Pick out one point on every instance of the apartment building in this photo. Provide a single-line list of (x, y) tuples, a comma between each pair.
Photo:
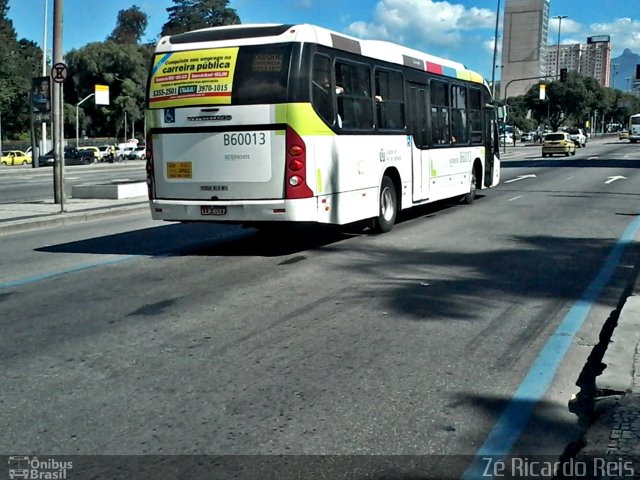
[(591, 59), (524, 42)]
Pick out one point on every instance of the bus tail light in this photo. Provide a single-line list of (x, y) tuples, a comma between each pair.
[(149, 166), (296, 166)]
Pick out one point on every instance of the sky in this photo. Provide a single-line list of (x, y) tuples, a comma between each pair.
[(460, 30)]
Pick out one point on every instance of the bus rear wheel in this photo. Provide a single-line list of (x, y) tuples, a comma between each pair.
[(388, 206), (471, 196)]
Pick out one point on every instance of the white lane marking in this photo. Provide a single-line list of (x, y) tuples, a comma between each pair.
[(613, 179), (514, 198), (521, 177), (592, 158)]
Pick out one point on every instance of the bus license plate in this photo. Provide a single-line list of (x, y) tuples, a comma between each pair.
[(209, 210)]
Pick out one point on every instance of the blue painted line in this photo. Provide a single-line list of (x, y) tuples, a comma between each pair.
[(516, 415), (45, 276), (160, 63)]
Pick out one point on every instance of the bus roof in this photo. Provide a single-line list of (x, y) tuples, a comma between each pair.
[(252, 34)]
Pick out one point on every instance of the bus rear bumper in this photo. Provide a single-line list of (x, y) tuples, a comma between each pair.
[(300, 210)]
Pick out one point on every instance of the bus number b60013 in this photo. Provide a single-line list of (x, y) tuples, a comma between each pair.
[(254, 138)]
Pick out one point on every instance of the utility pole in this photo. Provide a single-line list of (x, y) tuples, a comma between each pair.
[(495, 53), (58, 117)]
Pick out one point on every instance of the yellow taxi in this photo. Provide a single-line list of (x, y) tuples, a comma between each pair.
[(623, 135), (558, 142), (15, 157)]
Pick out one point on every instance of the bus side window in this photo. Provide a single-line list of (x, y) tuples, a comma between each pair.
[(440, 120), (355, 104), (322, 86), (389, 100)]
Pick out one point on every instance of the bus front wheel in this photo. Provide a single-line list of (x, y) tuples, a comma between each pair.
[(388, 206)]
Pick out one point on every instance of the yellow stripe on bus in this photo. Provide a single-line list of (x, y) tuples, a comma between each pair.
[(302, 118)]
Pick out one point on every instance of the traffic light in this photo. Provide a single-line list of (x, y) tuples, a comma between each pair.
[(563, 74)]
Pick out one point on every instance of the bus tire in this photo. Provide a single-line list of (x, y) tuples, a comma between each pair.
[(471, 196), (388, 206)]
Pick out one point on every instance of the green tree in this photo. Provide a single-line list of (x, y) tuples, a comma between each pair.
[(20, 61), (124, 68), (186, 15), (519, 114), (571, 102), (130, 26)]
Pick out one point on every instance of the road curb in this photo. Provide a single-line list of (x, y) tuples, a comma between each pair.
[(618, 376), (66, 218)]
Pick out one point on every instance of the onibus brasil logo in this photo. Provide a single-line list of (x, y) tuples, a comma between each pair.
[(33, 468)]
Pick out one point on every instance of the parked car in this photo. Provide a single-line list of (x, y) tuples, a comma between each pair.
[(578, 136), (107, 153), (15, 157), (124, 153), (558, 142), (95, 151), (530, 137), (138, 153), (507, 140), (72, 156)]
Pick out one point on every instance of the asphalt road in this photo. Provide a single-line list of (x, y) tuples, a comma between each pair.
[(127, 336), (27, 184)]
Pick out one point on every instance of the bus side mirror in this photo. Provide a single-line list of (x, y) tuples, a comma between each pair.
[(501, 113)]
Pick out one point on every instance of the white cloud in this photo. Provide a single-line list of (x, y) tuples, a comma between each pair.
[(488, 46), (423, 23), (568, 26), (625, 33)]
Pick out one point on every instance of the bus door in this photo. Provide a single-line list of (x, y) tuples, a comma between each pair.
[(419, 129), (492, 147)]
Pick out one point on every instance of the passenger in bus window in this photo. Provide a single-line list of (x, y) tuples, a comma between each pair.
[(321, 93)]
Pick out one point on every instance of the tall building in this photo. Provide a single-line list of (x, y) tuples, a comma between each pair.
[(524, 42), (591, 59)]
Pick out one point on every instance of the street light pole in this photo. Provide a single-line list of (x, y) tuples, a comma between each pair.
[(44, 74), (77, 115), (495, 53), (559, 17)]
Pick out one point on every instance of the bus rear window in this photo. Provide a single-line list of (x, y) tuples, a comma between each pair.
[(220, 76), (262, 74)]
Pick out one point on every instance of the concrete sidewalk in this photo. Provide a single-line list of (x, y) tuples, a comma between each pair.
[(45, 213), (613, 429)]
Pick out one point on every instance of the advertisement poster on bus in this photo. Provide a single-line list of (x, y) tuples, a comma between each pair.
[(196, 77)]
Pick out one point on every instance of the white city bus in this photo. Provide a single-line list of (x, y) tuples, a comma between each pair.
[(256, 124), (634, 128)]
